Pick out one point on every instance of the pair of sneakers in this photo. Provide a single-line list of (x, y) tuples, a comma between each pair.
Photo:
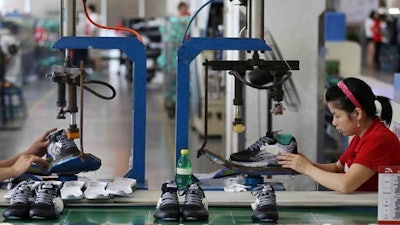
[(264, 151), (41, 202), (195, 206)]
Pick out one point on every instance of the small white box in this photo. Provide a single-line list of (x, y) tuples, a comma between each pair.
[(389, 195)]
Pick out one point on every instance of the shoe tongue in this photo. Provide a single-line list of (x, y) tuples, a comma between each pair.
[(267, 188), (46, 186), (168, 187), (194, 188), (284, 139)]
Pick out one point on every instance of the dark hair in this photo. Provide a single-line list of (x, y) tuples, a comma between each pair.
[(363, 93), (371, 14), (92, 7), (181, 4)]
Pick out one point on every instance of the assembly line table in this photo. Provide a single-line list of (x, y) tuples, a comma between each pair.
[(295, 207)]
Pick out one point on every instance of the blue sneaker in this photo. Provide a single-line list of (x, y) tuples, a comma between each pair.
[(66, 158)]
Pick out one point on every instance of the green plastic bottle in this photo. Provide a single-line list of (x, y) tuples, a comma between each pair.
[(183, 170)]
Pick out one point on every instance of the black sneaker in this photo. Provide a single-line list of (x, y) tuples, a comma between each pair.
[(264, 152), (65, 156), (48, 203), (20, 202), (264, 207), (168, 204), (195, 206)]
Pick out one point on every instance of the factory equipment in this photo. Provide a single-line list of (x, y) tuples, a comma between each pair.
[(254, 72), (70, 77)]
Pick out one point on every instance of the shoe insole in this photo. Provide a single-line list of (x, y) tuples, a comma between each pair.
[(96, 190), (121, 186), (72, 190)]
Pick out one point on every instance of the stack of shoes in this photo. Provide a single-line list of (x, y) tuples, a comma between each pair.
[(195, 207), (168, 204), (48, 203), (264, 152), (66, 158), (20, 202), (264, 208)]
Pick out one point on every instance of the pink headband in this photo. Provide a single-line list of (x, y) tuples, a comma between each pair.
[(348, 93)]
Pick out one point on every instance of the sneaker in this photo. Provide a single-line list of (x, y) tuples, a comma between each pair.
[(168, 203), (20, 202), (264, 207), (48, 203), (66, 158), (264, 152), (195, 206)]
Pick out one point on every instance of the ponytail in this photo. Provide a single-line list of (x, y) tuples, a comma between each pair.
[(387, 111)]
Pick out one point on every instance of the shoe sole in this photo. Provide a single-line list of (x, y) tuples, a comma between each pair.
[(254, 164), (75, 164), (194, 219)]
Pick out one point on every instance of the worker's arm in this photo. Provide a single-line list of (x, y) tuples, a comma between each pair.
[(347, 182), (330, 167)]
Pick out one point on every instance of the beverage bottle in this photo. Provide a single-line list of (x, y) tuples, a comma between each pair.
[(183, 170)]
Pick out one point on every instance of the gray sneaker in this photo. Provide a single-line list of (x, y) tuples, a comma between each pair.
[(265, 150)]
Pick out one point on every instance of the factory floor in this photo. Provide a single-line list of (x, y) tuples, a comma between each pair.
[(107, 134)]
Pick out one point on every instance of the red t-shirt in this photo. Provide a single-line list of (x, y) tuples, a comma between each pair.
[(379, 146)]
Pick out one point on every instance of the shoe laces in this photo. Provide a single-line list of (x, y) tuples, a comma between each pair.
[(193, 195), (45, 195), (261, 142), (65, 142), (265, 195), (169, 198), (21, 194)]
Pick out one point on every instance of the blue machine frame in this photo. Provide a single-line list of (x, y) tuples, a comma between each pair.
[(187, 52), (136, 51)]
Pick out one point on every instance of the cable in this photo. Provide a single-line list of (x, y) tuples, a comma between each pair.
[(237, 75), (96, 93), (192, 19), (111, 28)]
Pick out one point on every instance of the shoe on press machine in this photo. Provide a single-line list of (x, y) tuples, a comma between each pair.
[(168, 203), (195, 206), (20, 202), (265, 150), (66, 158), (48, 203), (264, 207)]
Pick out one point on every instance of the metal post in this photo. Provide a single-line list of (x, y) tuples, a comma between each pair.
[(255, 19)]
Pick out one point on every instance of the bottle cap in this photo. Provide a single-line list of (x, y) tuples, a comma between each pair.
[(185, 151)]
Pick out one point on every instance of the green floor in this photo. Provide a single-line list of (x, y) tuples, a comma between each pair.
[(218, 215)]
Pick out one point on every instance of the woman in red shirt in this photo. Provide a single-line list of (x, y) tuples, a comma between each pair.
[(352, 104)]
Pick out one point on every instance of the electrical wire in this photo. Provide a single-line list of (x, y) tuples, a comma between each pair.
[(192, 19), (81, 77), (137, 34), (275, 84), (114, 92)]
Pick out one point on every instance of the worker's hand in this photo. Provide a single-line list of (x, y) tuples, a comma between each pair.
[(24, 162), (39, 147), (297, 162)]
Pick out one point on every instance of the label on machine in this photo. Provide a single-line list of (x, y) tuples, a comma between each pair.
[(389, 195)]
